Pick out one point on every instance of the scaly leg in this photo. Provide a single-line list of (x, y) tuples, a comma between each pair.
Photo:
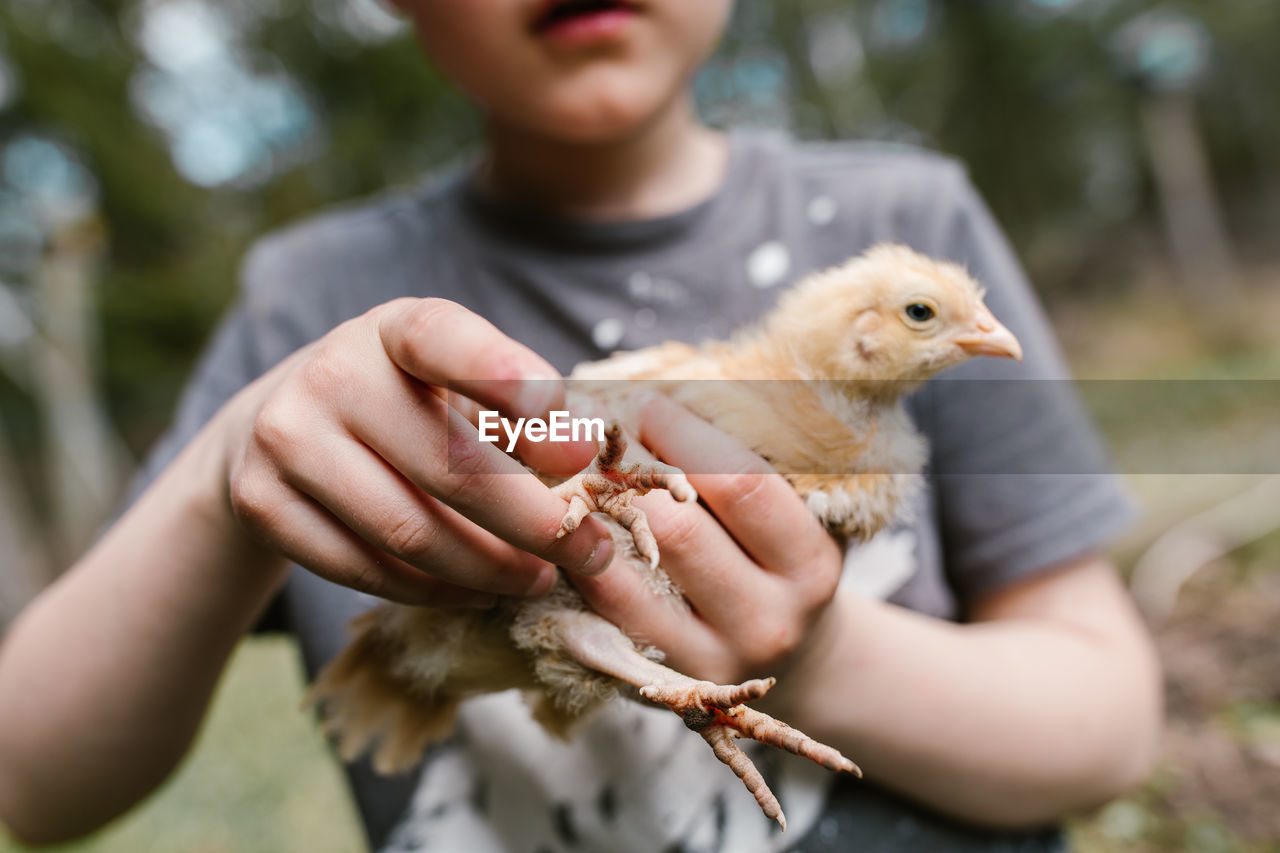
[(714, 711), (609, 485)]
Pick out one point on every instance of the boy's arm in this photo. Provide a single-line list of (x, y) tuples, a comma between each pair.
[(105, 677), (1049, 702), (345, 458)]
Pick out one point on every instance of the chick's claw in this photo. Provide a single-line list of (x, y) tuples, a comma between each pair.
[(721, 740), (716, 712), (690, 697), (609, 485), (703, 705), (753, 724), (578, 510)]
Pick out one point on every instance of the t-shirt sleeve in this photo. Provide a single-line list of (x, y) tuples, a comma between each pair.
[(1018, 471)]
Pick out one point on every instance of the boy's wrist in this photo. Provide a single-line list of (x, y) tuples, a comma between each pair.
[(808, 675), (196, 487)]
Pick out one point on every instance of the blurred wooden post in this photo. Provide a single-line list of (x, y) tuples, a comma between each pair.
[(1192, 218), (84, 459), (24, 562), (1167, 51), (24, 569)]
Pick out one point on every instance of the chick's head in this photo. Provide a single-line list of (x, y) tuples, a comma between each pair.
[(890, 314)]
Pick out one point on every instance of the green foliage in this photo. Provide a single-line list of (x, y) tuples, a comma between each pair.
[(174, 247)]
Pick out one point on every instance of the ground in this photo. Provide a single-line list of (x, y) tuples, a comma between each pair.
[(1218, 785)]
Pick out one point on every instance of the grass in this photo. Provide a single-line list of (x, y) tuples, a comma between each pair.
[(1219, 777), (259, 779)]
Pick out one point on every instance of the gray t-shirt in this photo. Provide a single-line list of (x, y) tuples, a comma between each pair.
[(1016, 483)]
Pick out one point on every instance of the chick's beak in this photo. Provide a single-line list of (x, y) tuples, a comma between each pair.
[(988, 337)]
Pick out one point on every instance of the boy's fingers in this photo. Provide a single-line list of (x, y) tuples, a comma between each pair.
[(753, 502), (549, 456), (625, 598), (306, 533), (435, 448), (721, 582), (728, 589), (390, 513), (443, 344)]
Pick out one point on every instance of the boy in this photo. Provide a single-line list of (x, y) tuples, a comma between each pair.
[(601, 215)]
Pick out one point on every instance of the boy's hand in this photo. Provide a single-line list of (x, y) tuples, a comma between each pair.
[(756, 566), (348, 459)]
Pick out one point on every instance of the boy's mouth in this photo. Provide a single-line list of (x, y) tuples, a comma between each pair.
[(582, 19)]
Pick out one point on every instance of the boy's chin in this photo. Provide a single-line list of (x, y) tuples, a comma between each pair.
[(599, 120), (593, 129)]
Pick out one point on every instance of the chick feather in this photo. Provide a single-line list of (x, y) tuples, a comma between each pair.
[(828, 368)]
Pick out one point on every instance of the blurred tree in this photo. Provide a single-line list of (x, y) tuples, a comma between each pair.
[(1166, 52), (187, 128), (1026, 92)]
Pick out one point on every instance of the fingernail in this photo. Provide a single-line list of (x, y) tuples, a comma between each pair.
[(599, 558), (546, 580)]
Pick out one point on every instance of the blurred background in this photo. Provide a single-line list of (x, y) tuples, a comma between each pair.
[(1131, 149)]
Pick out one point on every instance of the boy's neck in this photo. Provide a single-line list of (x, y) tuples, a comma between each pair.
[(670, 165)]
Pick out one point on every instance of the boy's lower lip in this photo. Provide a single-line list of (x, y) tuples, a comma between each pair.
[(589, 28)]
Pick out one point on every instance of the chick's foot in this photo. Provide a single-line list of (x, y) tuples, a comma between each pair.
[(609, 485), (715, 711)]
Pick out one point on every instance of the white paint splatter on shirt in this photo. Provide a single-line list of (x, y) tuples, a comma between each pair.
[(878, 568), (608, 333), (643, 286), (768, 264), (821, 209)]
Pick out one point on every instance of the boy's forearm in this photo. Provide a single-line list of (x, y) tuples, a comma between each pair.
[(1012, 723), (104, 679)]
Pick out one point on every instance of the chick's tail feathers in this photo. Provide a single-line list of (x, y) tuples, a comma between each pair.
[(401, 678), (361, 699)]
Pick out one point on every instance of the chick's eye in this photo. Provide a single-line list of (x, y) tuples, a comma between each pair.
[(919, 312)]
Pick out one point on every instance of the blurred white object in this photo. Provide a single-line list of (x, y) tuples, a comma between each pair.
[(1189, 545)]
